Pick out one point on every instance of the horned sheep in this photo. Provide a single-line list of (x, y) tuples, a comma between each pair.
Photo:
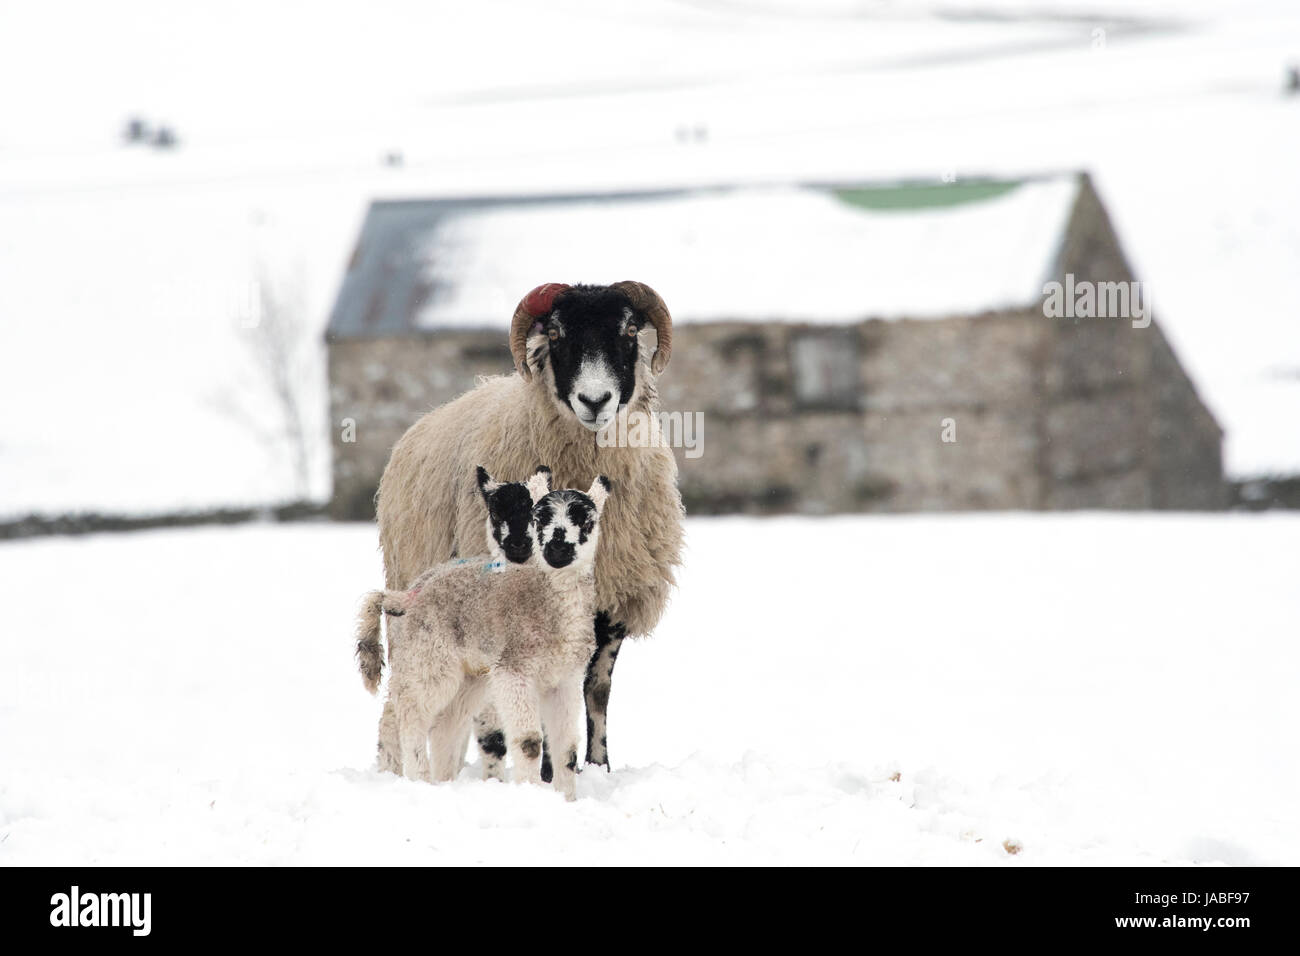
[(579, 365)]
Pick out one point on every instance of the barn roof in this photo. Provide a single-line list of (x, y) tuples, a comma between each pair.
[(817, 253)]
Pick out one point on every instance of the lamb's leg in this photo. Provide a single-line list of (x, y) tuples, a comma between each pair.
[(517, 704), (390, 751), (450, 731), (417, 702), (491, 743), (600, 674), (561, 712), (445, 733), (462, 741), (413, 724)]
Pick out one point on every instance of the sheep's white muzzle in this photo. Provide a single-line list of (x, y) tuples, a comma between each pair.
[(596, 423), (594, 395)]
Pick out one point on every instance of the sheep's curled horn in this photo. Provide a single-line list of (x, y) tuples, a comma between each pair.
[(538, 303), (646, 300), (530, 308)]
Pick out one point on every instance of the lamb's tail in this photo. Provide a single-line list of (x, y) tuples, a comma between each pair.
[(370, 646)]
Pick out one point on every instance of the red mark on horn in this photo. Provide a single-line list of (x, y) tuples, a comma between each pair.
[(538, 302)]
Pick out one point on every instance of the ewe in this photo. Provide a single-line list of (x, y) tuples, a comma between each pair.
[(580, 365)]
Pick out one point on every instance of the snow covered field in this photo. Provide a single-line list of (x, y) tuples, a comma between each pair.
[(124, 271), (1081, 688), (1090, 689)]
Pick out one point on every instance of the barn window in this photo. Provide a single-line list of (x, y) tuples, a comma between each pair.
[(825, 366)]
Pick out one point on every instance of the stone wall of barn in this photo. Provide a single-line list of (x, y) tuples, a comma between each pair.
[(770, 446), (1185, 440), (1123, 425), (382, 385), (1043, 413)]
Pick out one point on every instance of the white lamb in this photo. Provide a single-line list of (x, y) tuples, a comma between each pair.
[(518, 637)]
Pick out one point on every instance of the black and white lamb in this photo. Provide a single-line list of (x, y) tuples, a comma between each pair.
[(516, 636), (509, 540)]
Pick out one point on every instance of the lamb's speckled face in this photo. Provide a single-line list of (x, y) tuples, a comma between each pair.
[(567, 525)]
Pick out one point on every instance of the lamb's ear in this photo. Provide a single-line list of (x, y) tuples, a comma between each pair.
[(539, 486), (599, 491), (485, 483)]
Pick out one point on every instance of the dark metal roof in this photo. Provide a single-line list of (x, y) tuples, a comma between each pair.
[(386, 283)]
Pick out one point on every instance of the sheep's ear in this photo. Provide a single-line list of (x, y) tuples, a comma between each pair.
[(539, 486), (599, 492), (485, 483)]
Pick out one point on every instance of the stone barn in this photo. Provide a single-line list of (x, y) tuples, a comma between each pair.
[(851, 347)]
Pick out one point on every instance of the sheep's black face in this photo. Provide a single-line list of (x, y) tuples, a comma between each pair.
[(592, 349), (566, 525)]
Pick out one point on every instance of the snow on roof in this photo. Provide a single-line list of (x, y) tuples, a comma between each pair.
[(786, 254)]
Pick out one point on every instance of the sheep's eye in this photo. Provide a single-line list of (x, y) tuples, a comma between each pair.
[(553, 334), (632, 331)]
